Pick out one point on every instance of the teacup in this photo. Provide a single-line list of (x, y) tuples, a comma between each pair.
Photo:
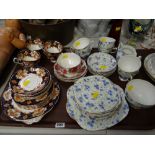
[(125, 50), (27, 58), (82, 47), (35, 45), (106, 44), (68, 63), (128, 67), (52, 50)]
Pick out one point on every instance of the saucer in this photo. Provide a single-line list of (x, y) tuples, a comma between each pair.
[(101, 63), (30, 82)]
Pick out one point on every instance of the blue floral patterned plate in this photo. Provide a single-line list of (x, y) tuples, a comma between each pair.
[(92, 123), (101, 62), (96, 94)]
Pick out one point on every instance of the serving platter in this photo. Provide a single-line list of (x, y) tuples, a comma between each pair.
[(136, 120)]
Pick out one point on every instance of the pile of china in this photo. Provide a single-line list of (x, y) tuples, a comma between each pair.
[(31, 94), (96, 103), (70, 67), (102, 64)]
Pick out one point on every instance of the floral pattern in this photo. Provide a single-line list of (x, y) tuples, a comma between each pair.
[(13, 113), (17, 115), (21, 74), (101, 62), (92, 123), (107, 97), (40, 72)]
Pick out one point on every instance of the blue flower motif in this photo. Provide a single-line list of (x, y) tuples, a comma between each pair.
[(87, 87), (91, 123), (81, 99), (85, 96), (96, 86), (89, 104), (110, 92)]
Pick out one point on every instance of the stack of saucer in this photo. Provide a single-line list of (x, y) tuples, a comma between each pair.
[(95, 103), (31, 94), (69, 67), (101, 64)]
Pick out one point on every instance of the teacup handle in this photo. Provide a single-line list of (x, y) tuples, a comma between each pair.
[(131, 77), (17, 61), (140, 57)]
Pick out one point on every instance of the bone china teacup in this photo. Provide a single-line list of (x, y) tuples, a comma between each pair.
[(27, 58), (128, 67)]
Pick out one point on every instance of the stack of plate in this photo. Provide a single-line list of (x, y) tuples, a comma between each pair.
[(31, 94), (95, 103), (149, 65), (69, 67), (101, 64)]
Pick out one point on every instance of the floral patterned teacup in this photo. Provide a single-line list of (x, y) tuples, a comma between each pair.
[(82, 47), (52, 50), (106, 44), (27, 58), (68, 63), (35, 45)]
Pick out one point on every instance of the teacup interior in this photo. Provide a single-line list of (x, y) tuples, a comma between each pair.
[(129, 50), (68, 60), (81, 43), (53, 50), (129, 63)]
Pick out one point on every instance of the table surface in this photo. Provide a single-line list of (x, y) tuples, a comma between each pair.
[(136, 119)]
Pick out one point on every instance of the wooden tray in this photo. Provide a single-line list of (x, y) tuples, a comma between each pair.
[(137, 119)]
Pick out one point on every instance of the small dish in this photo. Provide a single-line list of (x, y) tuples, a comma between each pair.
[(27, 58), (52, 50), (35, 45)]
